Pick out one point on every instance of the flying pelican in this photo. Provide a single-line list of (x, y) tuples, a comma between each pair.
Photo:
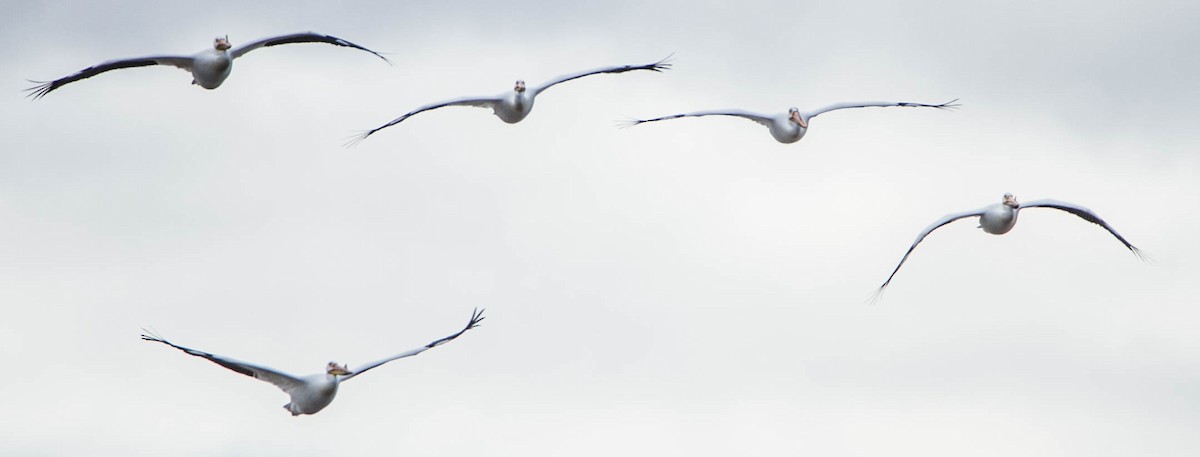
[(313, 393), (999, 218), (791, 127), (512, 106), (209, 68)]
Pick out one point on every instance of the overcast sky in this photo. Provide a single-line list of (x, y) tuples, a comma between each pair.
[(689, 287)]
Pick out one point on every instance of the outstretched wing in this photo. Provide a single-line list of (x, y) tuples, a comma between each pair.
[(836, 106), (283, 381), (940, 222), (45, 87), (759, 118), (477, 102), (1085, 214), (476, 318), (305, 37), (656, 66)]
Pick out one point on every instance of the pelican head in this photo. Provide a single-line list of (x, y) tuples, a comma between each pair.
[(222, 43), (337, 370), (1010, 200), (794, 115), (520, 87)]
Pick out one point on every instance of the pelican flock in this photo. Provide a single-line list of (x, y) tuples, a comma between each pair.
[(209, 67), (999, 218), (312, 393), (790, 127), (512, 106)]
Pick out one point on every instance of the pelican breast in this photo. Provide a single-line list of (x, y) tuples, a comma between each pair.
[(514, 106), (210, 68), (317, 393), (998, 219), (785, 131)]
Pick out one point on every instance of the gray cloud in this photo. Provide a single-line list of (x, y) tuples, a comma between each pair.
[(684, 287)]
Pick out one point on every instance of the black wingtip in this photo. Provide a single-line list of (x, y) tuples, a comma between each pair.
[(1141, 255), (664, 63), (949, 105), (347, 43), (385, 59), (150, 335), (877, 295), (40, 90), (476, 318), (627, 123), (353, 141)]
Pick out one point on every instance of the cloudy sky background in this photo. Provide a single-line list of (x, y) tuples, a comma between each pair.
[(683, 288)]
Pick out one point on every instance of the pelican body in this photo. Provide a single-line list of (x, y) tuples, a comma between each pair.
[(1000, 218), (316, 392), (790, 127), (209, 68), (309, 394), (514, 105)]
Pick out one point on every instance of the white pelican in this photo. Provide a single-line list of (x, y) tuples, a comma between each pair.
[(999, 218), (313, 393), (512, 106), (209, 68), (790, 127)]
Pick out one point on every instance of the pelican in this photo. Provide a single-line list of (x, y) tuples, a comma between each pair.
[(309, 394), (791, 127), (512, 106), (209, 68), (999, 218)]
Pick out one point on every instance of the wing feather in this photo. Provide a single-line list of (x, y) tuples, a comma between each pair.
[(476, 318), (1087, 215), (303, 37), (940, 222), (476, 102), (656, 66), (281, 380), (759, 118), (836, 106), (45, 87)]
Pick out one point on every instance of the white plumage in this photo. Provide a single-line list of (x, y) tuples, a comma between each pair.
[(999, 218), (209, 68), (512, 106), (312, 393), (789, 127)]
